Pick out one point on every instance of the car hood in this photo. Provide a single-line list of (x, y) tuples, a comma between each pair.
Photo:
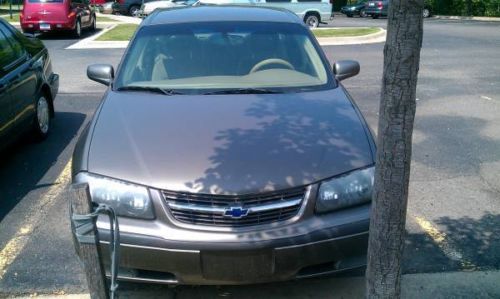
[(228, 144)]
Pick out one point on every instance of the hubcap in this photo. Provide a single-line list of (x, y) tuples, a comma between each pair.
[(426, 13), (43, 115), (312, 22), (78, 29)]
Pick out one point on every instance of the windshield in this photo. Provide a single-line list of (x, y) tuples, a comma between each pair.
[(224, 55)]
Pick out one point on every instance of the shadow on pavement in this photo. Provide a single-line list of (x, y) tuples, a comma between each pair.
[(25, 163), (67, 35)]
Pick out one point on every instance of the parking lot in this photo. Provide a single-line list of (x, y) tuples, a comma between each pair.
[(453, 219)]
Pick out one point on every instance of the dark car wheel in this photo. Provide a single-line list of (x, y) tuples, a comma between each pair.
[(426, 13), (77, 32), (374, 16), (41, 123), (349, 15), (312, 20), (133, 10), (362, 13), (94, 25)]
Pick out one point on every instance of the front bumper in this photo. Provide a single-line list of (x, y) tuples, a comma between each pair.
[(321, 245), (165, 251)]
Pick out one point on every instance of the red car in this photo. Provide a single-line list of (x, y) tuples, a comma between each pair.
[(57, 15)]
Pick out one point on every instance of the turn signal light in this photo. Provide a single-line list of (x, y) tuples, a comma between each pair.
[(72, 14)]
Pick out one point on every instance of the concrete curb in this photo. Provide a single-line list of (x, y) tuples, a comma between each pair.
[(461, 18), (378, 37), (124, 19), (91, 43)]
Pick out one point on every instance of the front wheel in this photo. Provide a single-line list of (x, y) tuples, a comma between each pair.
[(41, 124), (362, 13), (374, 16), (312, 21), (349, 15)]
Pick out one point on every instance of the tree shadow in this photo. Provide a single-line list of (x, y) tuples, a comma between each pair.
[(477, 241), (287, 142), (24, 163)]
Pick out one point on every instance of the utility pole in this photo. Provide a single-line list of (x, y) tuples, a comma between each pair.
[(395, 128)]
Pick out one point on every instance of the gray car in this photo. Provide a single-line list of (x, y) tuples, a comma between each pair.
[(230, 151)]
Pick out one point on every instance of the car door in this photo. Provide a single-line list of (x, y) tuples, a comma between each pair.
[(22, 78), (6, 115)]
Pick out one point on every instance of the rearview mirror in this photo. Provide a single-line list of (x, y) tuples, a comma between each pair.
[(345, 69), (102, 73), (31, 35)]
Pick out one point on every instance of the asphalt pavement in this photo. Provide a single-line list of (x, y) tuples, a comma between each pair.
[(453, 219)]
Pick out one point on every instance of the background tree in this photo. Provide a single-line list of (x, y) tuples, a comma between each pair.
[(392, 174)]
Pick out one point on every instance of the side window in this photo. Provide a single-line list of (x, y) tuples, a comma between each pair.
[(76, 2), (6, 53), (16, 47)]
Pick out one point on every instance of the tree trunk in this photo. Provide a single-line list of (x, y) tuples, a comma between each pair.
[(397, 113)]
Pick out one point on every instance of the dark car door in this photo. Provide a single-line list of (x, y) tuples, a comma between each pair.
[(21, 77), (6, 114)]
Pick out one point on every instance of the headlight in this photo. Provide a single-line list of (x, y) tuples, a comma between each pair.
[(351, 189), (126, 199)]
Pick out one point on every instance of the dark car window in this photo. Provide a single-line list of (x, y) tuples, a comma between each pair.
[(11, 48), (222, 55)]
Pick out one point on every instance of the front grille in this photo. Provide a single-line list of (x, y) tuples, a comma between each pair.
[(218, 210)]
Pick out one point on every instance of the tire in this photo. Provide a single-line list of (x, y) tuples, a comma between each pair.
[(312, 20), (362, 14), (77, 32), (41, 122), (133, 10), (94, 24), (374, 16), (349, 16), (426, 13)]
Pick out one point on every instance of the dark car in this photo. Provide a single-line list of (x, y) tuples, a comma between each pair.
[(377, 9), (357, 9), (57, 15), (128, 7), (28, 86), (230, 151)]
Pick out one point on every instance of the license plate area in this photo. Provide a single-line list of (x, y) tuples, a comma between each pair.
[(44, 26), (237, 266)]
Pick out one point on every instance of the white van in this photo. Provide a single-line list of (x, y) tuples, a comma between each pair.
[(313, 12)]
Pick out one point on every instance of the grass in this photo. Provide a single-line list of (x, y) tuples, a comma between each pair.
[(15, 17), (345, 32), (122, 32)]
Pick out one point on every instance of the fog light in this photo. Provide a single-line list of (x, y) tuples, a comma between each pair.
[(58, 25), (30, 26)]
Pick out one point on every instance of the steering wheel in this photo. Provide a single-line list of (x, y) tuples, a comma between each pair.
[(265, 62)]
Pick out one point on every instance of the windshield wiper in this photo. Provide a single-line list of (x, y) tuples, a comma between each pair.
[(168, 92), (244, 91)]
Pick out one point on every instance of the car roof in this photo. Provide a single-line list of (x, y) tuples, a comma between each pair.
[(214, 13)]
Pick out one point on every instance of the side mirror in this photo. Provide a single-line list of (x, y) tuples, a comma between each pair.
[(102, 73), (345, 69)]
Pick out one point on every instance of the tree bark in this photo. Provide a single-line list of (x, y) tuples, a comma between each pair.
[(397, 113)]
